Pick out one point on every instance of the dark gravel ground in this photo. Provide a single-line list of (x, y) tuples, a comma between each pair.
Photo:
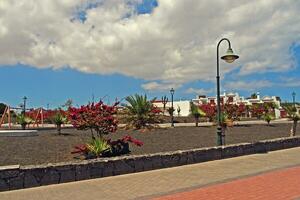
[(49, 147)]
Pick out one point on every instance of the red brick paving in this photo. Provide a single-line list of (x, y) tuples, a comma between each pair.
[(277, 185)]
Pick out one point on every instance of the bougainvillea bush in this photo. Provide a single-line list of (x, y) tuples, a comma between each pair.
[(210, 111), (48, 115), (97, 117), (101, 120)]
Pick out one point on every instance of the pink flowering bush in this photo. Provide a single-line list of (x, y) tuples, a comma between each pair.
[(101, 120), (210, 111), (97, 117)]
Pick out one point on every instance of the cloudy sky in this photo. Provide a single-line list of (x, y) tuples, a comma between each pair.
[(52, 50)]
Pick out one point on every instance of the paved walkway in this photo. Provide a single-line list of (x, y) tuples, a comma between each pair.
[(278, 185), (222, 175)]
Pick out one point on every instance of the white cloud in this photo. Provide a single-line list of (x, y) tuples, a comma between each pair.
[(248, 85), (290, 82), (173, 45), (155, 86), (198, 91)]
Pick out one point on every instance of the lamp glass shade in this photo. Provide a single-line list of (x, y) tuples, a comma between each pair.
[(230, 56), (172, 91)]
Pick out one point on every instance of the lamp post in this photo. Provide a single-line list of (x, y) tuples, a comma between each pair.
[(294, 95), (172, 115), (229, 57), (24, 105)]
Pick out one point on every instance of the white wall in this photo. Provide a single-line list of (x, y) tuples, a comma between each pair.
[(184, 107)]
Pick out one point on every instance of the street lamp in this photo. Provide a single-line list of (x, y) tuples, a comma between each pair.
[(24, 104), (229, 57), (172, 109), (294, 95)]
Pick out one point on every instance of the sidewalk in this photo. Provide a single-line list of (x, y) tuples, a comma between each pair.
[(276, 185), (158, 183)]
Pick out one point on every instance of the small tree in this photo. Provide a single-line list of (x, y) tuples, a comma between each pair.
[(58, 119), (253, 96), (164, 101), (68, 104), (268, 117), (140, 112), (97, 117), (171, 111), (257, 110), (23, 120), (293, 115), (231, 111), (178, 110), (2, 108), (196, 113), (210, 111)]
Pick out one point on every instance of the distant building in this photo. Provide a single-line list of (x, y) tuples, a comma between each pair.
[(185, 107), (235, 98), (231, 98)]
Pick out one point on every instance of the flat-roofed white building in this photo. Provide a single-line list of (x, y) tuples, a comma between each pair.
[(184, 105), (235, 98)]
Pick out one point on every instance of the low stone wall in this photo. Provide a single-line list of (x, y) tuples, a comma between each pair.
[(18, 177)]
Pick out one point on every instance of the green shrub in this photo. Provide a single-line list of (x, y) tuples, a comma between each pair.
[(140, 112)]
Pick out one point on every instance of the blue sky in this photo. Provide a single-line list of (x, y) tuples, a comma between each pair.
[(46, 79)]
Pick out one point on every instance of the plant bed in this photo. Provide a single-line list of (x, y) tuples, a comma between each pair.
[(49, 147)]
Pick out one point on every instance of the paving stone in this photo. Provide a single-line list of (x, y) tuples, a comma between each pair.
[(139, 164), (82, 172), (51, 176), (248, 149), (170, 160), (30, 180), (96, 169), (9, 173), (3, 185), (156, 162), (16, 182), (67, 173), (121, 167), (108, 169), (260, 147)]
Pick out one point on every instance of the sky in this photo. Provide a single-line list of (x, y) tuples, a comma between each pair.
[(84, 50)]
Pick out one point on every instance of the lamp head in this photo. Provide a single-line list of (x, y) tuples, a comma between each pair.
[(229, 57), (172, 91)]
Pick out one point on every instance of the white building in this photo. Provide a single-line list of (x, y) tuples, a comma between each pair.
[(235, 98), (184, 106), (232, 98)]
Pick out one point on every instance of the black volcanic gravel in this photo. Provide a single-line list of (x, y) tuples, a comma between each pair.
[(49, 147)]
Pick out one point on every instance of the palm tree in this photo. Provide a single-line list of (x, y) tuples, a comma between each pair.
[(140, 112), (23, 120), (293, 115), (58, 120), (197, 113)]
